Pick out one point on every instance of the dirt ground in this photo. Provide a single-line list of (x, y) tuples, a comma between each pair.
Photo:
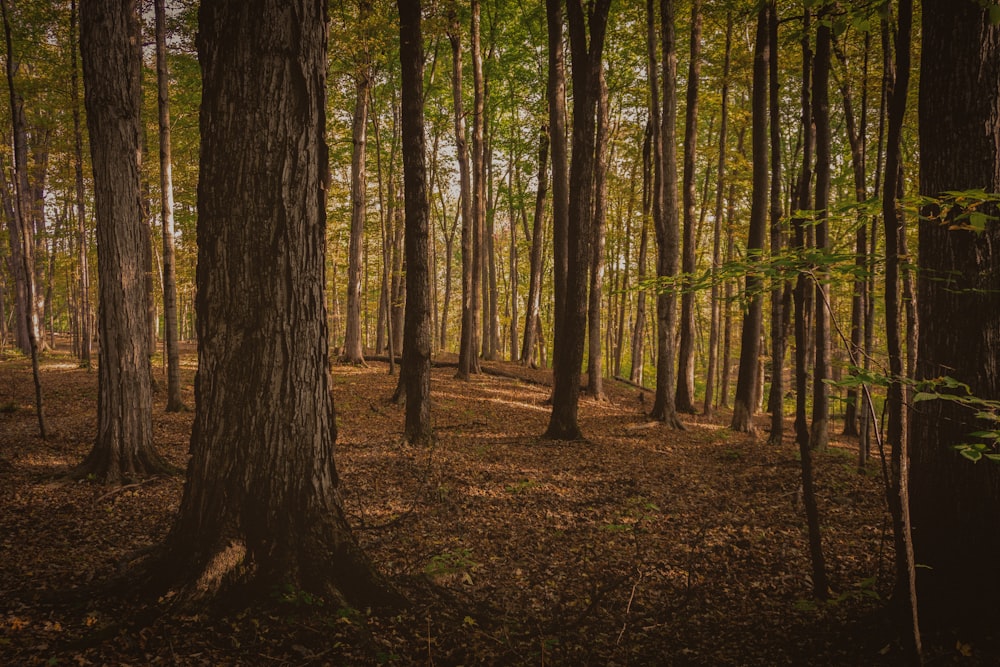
[(638, 546)]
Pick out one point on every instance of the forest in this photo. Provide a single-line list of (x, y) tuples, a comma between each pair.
[(487, 332)]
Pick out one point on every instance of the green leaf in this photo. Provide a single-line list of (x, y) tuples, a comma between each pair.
[(925, 396), (977, 221), (971, 454), (995, 14)]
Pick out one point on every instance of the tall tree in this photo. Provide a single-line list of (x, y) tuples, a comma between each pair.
[(595, 373), (110, 45), (416, 370), (684, 397), (535, 280), (261, 504), (85, 316), (666, 223), (480, 288), (720, 174), (174, 402), (746, 380), (954, 502), (555, 93), (353, 352), (586, 53), (639, 325), (821, 119)]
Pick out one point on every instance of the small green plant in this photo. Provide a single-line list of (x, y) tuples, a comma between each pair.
[(520, 487), (448, 563), (292, 595)]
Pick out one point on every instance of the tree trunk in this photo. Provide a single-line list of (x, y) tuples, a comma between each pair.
[(110, 48), (468, 361), (746, 382), (417, 333), (684, 397), (353, 352), (822, 312), (639, 326), (778, 289), (713, 336), (174, 403), (261, 505), (85, 316), (667, 226), (569, 351), (556, 97), (531, 319), (955, 528), (479, 286), (595, 372)]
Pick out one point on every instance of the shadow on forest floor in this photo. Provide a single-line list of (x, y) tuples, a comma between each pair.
[(640, 545)]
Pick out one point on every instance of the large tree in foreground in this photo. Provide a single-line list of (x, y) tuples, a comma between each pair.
[(261, 502), (956, 529), (110, 46)]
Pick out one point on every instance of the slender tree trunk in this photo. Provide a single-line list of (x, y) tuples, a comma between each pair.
[(667, 226), (110, 46), (595, 372), (779, 287), (624, 289), (556, 97), (531, 319), (353, 352), (479, 287), (639, 326), (684, 396), (821, 117), (746, 382), (713, 337), (174, 402)]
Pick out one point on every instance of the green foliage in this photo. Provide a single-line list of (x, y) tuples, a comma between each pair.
[(959, 393), (449, 563)]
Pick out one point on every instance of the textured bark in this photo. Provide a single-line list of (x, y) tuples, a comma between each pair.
[(779, 290), (684, 397), (110, 46), (955, 525), (174, 403), (531, 319), (746, 381), (569, 350), (595, 372), (639, 325), (479, 287), (353, 352), (261, 505), (667, 223), (417, 327), (85, 316)]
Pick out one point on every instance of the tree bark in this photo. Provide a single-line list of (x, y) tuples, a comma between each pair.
[(110, 46), (684, 397), (556, 97), (779, 288), (85, 316), (639, 325), (261, 506), (955, 529), (595, 371)]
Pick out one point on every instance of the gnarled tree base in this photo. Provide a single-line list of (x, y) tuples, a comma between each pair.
[(109, 465)]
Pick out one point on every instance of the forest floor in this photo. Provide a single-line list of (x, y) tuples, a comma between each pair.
[(639, 546)]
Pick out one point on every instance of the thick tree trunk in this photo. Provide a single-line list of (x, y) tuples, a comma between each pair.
[(531, 320), (174, 403), (720, 178), (353, 352), (417, 333), (684, 397), (261, 505), (955, 527), (569, 351), (746, 382), (110, 46)]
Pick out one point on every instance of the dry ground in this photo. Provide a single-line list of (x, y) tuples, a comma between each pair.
[(639, 546)]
